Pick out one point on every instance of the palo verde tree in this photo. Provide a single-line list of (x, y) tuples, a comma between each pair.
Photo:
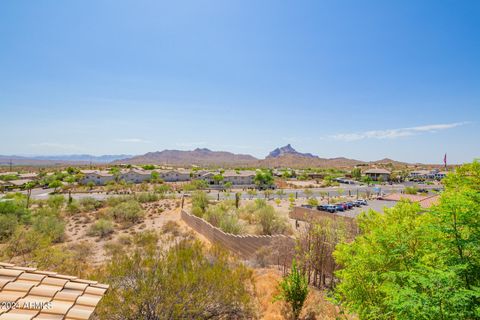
[(263, 178), (412, 263)]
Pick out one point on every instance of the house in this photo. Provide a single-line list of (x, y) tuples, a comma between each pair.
[(440, 175), (28, 293), (239, 178), (175, 175), (236, 178), (5, 185), (28, 175), (20, 182), (96, 177), (136, 175), (419, 174), (378, 174)]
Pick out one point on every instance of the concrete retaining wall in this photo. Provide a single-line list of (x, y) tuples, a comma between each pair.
[(243, 245)]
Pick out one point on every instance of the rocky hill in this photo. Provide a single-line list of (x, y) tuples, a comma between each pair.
[(199, 156), (288, 150)]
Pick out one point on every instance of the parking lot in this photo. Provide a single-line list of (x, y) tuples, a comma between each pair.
[(377, 205)]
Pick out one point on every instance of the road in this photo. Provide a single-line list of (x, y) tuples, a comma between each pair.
[(42, 194)]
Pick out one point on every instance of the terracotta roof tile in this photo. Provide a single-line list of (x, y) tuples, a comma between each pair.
[(80, 312), (45, 295)]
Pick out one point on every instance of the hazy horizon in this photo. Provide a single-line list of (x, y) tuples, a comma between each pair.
[(366, 81)]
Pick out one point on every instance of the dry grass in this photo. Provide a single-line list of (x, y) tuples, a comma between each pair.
[(316, 306)]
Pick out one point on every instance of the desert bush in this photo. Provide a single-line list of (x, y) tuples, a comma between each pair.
[(411, 190), (195, 185), (73, 207), (172, 285), (51, 226), (56, 201), (270, 222), (147, 197), (312, 202), (113, 201), (8, 224), (22, 242), (146, 239), (231, 224), (127, 212), (17, 208), (90, 204), (200, 203), (101, 228), (171, 227)]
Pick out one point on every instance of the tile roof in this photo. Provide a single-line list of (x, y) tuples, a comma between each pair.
[(28, 293), (377, 171), (20, 182), (424, 201)]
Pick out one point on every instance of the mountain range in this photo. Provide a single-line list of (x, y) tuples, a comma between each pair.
[(285, 156)]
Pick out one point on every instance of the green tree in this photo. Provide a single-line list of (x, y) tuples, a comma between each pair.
[(29, 186), (218, 178), (263, 178), (294, 290), (356, 173), (367, 179), (409, 263), (55, 184)]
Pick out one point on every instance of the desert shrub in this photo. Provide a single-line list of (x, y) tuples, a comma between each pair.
[(195, 185), (51, 226), (15, 207), (247, 213), (127, 212), (171, 227), (215, 213), (312, 202), (113, 201), (8, 224), (162, 189), (411, 190), (101, 228), (90, 204), (173, 283), (73, 207), (56, 201), (147, 197), (231, 224), (223, 216), (22, 242), (270, 222), (146, 239), (200, 203), (73, 260)]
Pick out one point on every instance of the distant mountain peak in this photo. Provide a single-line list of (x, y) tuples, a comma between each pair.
[(288, 150)]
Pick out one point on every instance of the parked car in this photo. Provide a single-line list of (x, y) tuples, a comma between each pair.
[(362, 202), (340, 207), (330, 208), (306, 206), (349, 205)]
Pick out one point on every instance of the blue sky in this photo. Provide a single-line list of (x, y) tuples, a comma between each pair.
[(360, 79)]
